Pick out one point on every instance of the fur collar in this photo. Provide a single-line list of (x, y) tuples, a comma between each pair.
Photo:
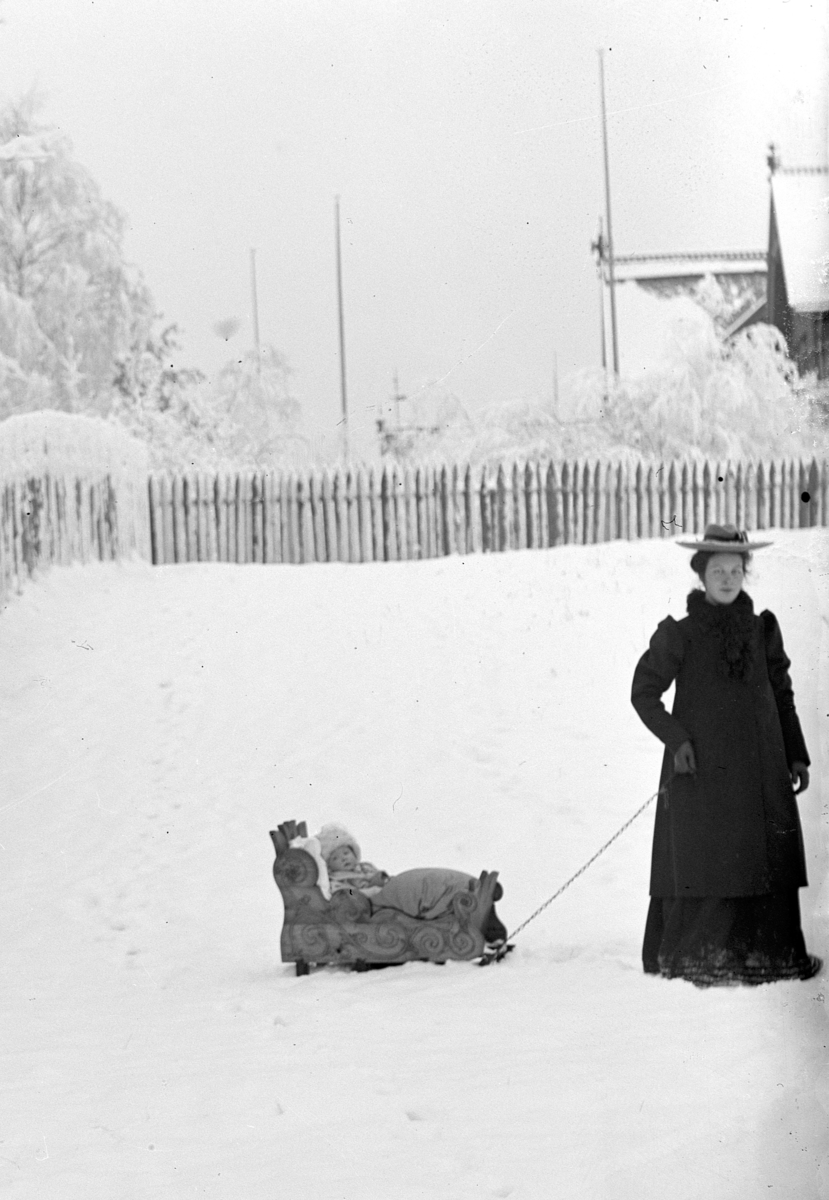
[(733, 627)]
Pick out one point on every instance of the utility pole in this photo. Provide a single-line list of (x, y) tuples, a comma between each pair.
[(555, 383), (598, 248), (397, 398), (343, 394), (255, 305), (609, 244)]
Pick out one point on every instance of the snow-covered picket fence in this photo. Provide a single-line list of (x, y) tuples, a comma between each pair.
[(362, 515), (72, 488)]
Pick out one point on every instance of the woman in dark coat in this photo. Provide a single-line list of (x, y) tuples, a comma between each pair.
[(727, 849)]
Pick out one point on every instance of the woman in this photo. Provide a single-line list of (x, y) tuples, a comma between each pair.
[(727, 848)]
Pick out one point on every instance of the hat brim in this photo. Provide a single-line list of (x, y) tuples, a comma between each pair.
[(725, 547)]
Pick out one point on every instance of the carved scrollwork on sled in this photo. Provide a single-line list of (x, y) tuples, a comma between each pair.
[(347, 929)]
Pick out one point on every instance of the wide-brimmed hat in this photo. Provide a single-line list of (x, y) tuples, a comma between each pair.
[(725, 538)]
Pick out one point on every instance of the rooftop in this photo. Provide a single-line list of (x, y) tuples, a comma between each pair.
[(800, 197), (692, 265)]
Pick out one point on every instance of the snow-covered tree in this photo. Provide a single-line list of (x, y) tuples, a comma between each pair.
[(254, 392), (739, 398), (68, 303), (244, 418)]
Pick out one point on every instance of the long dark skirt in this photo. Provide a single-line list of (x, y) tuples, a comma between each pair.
[(715, 940)]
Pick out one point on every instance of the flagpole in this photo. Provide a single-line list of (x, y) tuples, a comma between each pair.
[(343, 394), (610, 267), (255, 307)]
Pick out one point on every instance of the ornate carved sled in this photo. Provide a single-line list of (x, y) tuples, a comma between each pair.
[(347, 930)]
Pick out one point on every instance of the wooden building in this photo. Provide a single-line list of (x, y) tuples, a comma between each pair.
[(797, 297)]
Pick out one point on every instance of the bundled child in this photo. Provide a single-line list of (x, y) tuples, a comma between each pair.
[(341, 853), (420, 893)]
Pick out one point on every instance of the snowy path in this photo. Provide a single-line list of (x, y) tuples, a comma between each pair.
[(470, 713)]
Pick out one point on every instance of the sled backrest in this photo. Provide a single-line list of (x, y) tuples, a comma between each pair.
[(285, 833)]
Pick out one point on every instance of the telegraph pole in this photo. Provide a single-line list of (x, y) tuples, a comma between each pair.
[(609, 243), (255, 305), (343, 394)]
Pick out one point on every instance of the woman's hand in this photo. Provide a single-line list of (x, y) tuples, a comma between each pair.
[(800, 777), (684, 761)]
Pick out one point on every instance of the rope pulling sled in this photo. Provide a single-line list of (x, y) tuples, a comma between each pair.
[(498, 952)]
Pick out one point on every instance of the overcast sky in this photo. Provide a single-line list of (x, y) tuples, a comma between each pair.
[(463, 139)]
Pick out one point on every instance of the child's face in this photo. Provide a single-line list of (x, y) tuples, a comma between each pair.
[(342, 859)]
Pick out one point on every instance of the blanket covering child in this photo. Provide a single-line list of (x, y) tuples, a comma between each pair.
[(422, 893)]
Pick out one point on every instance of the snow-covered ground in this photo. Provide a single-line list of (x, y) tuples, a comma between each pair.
[(464, 712)]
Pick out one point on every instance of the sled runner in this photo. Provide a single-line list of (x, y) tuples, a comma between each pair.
[(349, 930)]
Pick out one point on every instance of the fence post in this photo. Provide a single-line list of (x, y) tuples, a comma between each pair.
[(471, 526), (458, 531), (783, 512), (156, 534), (775, 494), (824, 493), (316, 533), (516, 507), (583, 485), (740, 497), (683, 489), (257, 517), (273, 524), (242, 514), (442, 515), (626, 501), (200, 522), (574, 497), (190, 498), (813, 488), (804, 496), (431, 481), (500, 529), (363, 517), (410, 504), (385, 508), (555, 505), (375, 518), (729, 492), (765, 499), (566, 503), (750, 496), (207, 531), (794, 494), (179, 531), (542, 527), (351, 519), (398, 506), (328, 540), (438, 513)]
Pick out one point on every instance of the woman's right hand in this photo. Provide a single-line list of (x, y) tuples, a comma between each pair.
[(684, 761)]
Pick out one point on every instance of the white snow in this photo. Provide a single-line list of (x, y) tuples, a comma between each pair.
[(463, 712)]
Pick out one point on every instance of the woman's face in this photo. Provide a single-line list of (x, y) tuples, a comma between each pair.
[(723, 578)]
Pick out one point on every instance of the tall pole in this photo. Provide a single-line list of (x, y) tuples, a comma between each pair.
[(610, 274), (255, 306), (343, 394), (555, 383), (598, 248)]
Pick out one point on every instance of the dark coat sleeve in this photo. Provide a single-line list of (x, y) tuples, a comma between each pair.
[(778, 665), (654, 674)]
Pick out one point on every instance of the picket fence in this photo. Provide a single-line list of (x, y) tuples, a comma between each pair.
[(48, 520), (359, 515)]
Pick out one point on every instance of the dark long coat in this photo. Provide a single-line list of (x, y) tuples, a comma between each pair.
[(733, 828)]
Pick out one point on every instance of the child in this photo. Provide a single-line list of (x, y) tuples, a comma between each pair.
[(341, 852), (420, 893)]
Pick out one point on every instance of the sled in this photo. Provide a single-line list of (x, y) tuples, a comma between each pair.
[(346, 929)]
